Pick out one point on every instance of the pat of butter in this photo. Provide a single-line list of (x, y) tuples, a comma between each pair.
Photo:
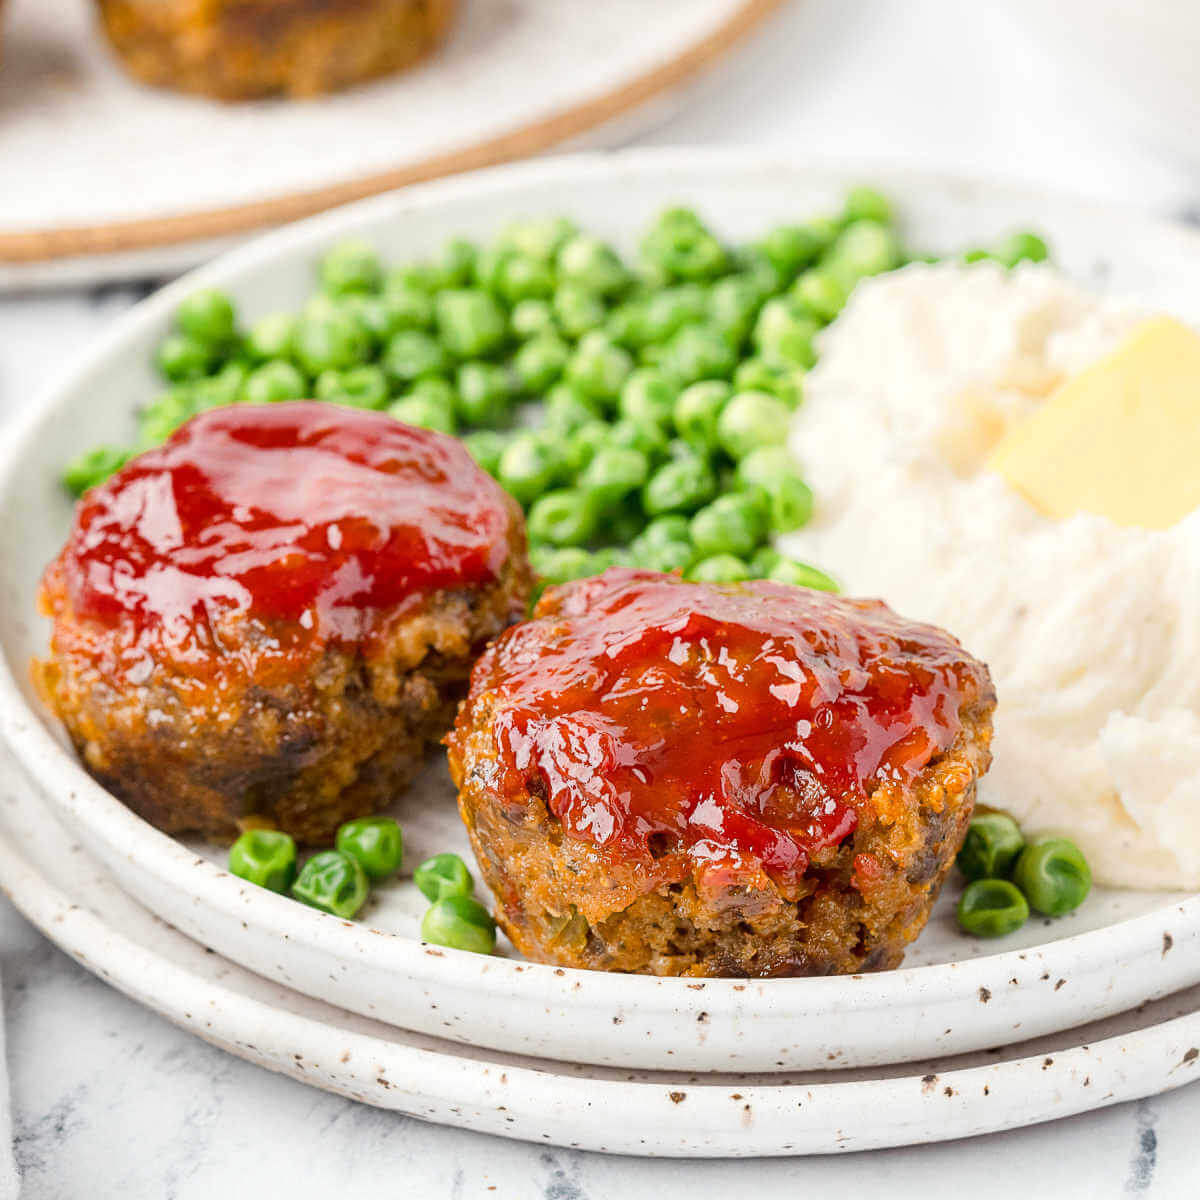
[(1120, 439)]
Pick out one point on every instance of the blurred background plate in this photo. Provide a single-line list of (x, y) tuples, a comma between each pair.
[(106, 179)]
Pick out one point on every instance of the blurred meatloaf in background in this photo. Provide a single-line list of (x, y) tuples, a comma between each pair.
[(244, 49)]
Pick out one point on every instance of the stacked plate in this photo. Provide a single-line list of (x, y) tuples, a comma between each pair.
[(961, 1041)]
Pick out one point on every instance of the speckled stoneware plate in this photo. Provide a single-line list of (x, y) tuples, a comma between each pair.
[(75, 901), (954, 995)]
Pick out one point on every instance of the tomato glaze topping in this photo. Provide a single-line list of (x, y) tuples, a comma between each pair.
[(725, 723), (310, 517)]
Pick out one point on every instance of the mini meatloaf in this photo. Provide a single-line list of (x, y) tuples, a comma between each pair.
[(690, 779), (274, 614), (241, 49)]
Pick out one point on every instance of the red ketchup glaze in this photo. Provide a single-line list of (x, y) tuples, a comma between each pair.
[(746, 724), (310, 517)]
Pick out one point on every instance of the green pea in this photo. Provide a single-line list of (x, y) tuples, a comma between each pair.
[(424, 412), (484, 393), (1054, 875), (540, 362), (372, 314), (486, 447), (567, 410), (789, 248), (665, 556), (674, 527), (680, 247), (333, 882), (225, 387), (763, 561), (470, 323), (583, 445), (351, 266), (992, 908), (159, 419), (731, 524), (647, 397), (864, 248), (798, 574), (784, 332), (978, 255), (773, 470), (181, 357), (358, 387), (821, 293), (681, 485), (406, 307), (754, 262), (699, 352), (521, 278), (455, 265), (566, 517), (437, 389), (331, 340), (697, 410), (411, 355), (594, 264), (443, 875), (866, 204), (540, 238), (1022, 247), (626, 324), (720, 568), (266, 857), (779, 379), (460, 923), (577, 309), (613, 473), (750, 420), (733, 305), (93, 467), (272, 337), (599, 367), (669, 310), (991, 848), (531, 318), (650, 440), (375, 843), (207, 316), (424, 277), (529, 465), (273, 383), (556, 565)]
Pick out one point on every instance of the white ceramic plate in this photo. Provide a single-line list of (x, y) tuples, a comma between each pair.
[(1121, 950), (65, 892)]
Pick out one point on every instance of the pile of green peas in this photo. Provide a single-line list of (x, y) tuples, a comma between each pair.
[(367, 850), (1009, 876), (638, 411)]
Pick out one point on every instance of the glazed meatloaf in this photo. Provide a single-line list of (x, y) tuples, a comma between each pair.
[(269, 618), (690, 779), (240, 49)]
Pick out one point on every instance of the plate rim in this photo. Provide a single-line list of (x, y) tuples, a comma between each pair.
[(471, 1090), (92, 807)]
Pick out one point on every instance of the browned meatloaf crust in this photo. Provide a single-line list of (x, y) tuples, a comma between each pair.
[(274, 614), (241, 49), (304, 753), (562, 899)]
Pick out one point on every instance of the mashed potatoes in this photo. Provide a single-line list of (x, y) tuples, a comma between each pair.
[(1092, 631)]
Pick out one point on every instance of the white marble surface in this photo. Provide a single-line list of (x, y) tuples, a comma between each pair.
[(111, 1101)]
